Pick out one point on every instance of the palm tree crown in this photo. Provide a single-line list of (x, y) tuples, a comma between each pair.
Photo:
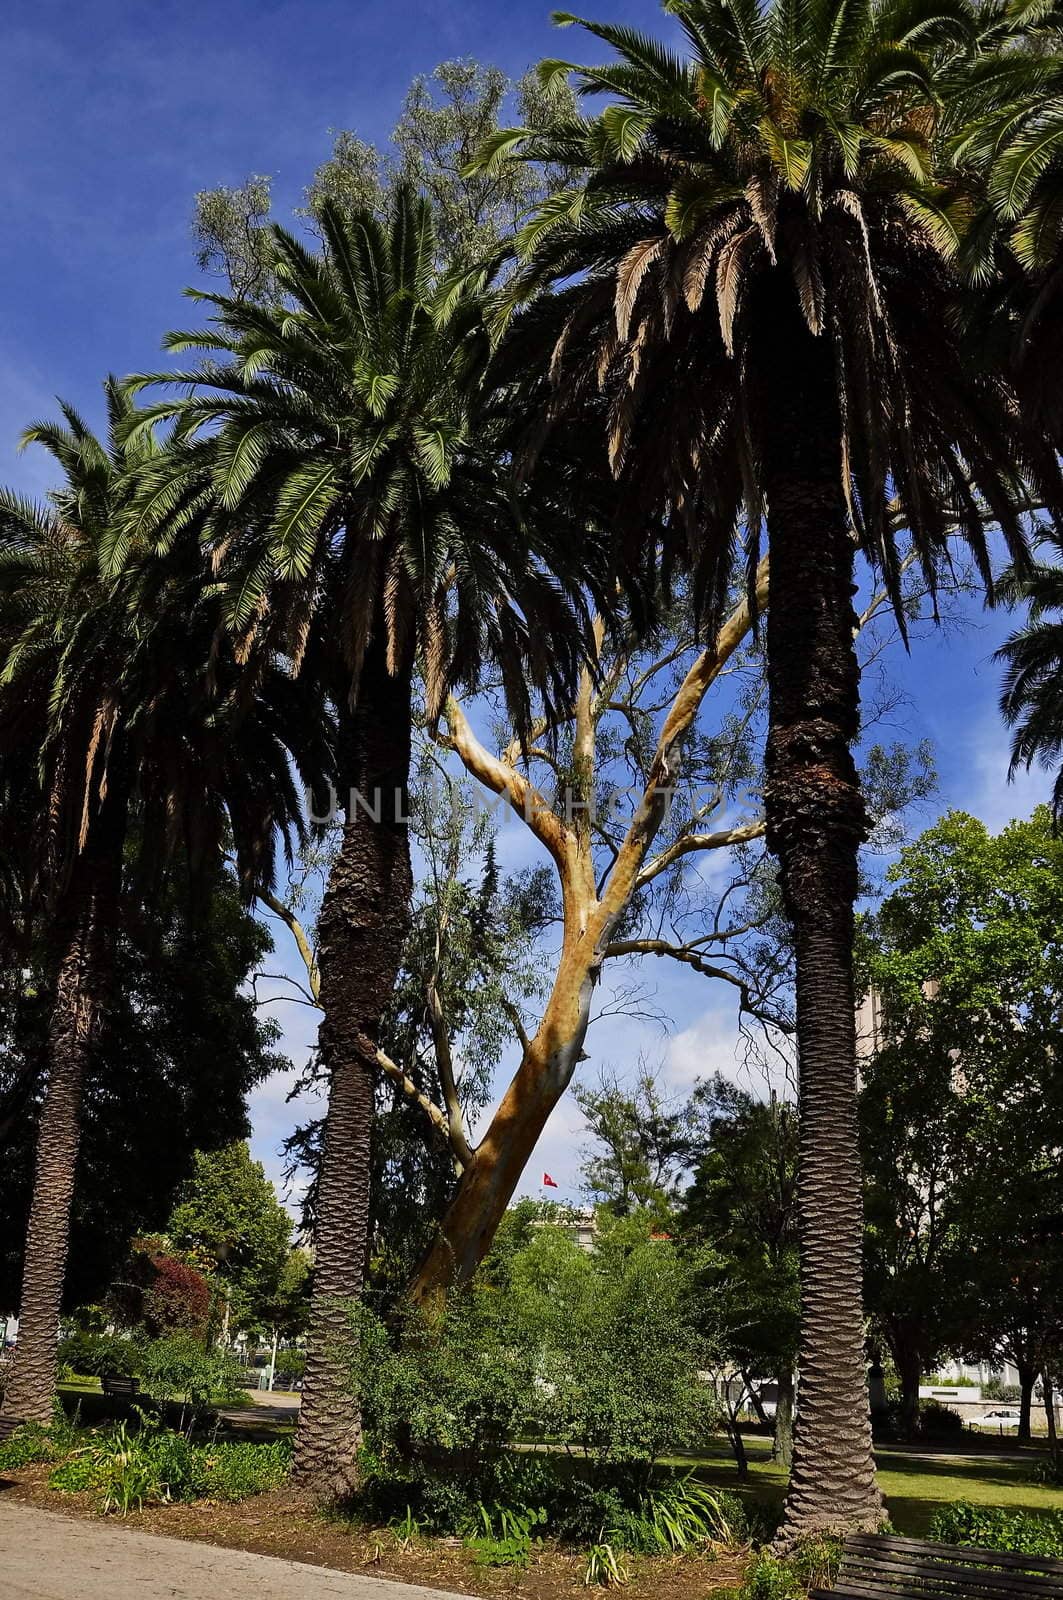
[(123, 683), (355, 469), (794, 167), (1032, 697)]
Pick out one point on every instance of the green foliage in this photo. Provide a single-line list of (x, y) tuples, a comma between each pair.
[(641, 1137), (997, 1529), (28, 1445), (700, 149), (813, 1565), (742, 1204), (93, 1354), (506, 1535), (937, 1421), (131, 1466), (180, 1368), (605, 1568), (229, 1214), (675, 1516), (961, 1098), (599, 1352)]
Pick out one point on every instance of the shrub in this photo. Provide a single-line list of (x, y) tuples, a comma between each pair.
[(939, 1422), (813, 1565), (130, 1469), (237, 1471), (505, 1538), (997, 1389), (28, 1445), (93, 1354), (33, 1443), (993, 1528), (600, 1353), (179, 1369), (160, 1293), (675, 1516)]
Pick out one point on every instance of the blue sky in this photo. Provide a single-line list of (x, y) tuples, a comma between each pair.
[(117, 112)]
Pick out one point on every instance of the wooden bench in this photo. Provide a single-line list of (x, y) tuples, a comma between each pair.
[(116, 1383), (879, 1567)]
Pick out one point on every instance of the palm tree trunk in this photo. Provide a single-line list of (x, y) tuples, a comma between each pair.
[(816, 822), (84, 939), (362, 929)]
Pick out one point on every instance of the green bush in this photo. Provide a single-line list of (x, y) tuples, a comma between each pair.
[(505, 1538), (598, 1352), (93, 1354), (813, 1565), (237, 1471), (130, 1468), (993, 1528), (33, 1443), (28, 1445), (179, 1369), (939, 1422)]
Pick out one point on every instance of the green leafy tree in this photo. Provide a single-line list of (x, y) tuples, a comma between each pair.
[(963, 1098), (363, 514), (742, 1204), (755, 300), (446, 115), (641, 1137), (229, 1214), (178, 1050)]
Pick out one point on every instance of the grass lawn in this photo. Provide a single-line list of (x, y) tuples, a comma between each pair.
[(915, 1486)]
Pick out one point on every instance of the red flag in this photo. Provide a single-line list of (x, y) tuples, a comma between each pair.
[(548, 1182)]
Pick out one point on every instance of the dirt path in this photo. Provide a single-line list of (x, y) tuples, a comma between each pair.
[(44, 1556)]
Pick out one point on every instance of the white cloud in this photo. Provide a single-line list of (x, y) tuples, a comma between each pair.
[(988, 794)]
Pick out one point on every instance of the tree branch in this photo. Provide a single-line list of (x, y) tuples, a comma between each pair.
[(429, 1107), (298, 933), (691, 958), (744, 833)]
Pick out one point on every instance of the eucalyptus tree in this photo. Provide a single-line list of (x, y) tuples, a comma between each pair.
[(116, 703), (754, 278), (364, 519)]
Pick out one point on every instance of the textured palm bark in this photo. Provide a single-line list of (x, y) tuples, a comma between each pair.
[(362, 929), (816, 823), (84, 941)]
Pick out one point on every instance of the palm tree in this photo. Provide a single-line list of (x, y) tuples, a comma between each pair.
[(1018, 138), (1032, 697), (115, 703), (362, 512), (754, 277)]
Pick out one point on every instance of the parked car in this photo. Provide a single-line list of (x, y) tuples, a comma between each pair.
[(1002, 1417)]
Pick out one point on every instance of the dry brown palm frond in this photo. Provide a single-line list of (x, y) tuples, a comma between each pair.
[(629, 276), (397, 619), (434, 639), (730, 279), (702, 254), (762, 194)]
